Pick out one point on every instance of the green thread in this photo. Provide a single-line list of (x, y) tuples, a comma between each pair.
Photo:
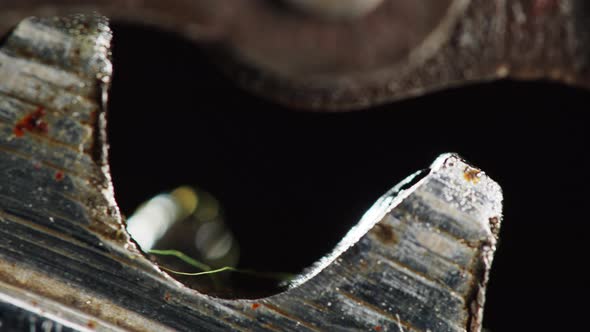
[(180, 255), (207, 270), (225, 268)]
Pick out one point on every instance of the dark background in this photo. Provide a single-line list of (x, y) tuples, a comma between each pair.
[(292, 183)]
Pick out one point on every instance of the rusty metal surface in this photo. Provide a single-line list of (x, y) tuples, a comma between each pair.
[(417, 261), (401, 49)]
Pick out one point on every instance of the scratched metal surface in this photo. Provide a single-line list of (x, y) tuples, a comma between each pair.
[(375, 59), (417, 261)]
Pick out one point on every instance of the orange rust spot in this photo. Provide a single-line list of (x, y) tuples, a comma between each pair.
[(472, 175), (34, 303), (166, 296), (91, 324), (378, 328), (59, 175), (255, 306), (32, 122)]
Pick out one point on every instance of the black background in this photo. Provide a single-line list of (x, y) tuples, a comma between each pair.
[(292, 183)]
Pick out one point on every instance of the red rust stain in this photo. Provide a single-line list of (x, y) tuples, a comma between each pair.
[(540, 7), (91, 324), (472, 175), (255, 306), (32, 122), (59, 175), (167, 297), (378, 328)]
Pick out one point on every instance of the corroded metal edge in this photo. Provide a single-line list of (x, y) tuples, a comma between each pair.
[(417, 261)]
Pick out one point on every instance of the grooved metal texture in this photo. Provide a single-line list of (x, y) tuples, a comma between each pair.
[(417, 261)]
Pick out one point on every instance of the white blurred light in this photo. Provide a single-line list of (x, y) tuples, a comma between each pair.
[(151, 221), (213, 240)]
